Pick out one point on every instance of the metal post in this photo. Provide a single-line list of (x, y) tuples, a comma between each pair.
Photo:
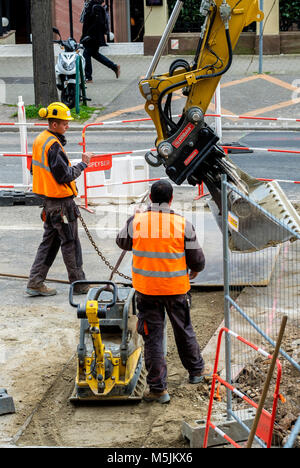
[(218, 111), (226, 292), (1, 13), (261, 40), (77, 86), (80, 94), (128, 20), (23, 140), (82, 81), (165, 37)]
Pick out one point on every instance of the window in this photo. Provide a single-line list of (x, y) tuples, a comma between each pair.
[(154, 2)]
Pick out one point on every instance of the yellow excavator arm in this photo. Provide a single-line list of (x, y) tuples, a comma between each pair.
[(188, 148), (223, 24)]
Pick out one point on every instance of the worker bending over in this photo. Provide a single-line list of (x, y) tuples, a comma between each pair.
[(54, 181), (164, 247)]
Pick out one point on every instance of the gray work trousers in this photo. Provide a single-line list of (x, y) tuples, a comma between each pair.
[(60, 232), (151, 318)]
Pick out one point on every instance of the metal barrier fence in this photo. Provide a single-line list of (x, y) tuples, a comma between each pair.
[(260, 286), (294, 434)]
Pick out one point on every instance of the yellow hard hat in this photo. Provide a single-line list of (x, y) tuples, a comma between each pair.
[(56, 110)]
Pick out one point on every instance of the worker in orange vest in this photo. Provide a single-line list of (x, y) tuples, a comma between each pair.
[(164, 247), (54, 181)]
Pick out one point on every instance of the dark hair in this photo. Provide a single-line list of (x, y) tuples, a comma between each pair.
[(161, 192), (51, 121)]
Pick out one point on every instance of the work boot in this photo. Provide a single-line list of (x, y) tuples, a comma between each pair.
[(42, 290), (160, 397), (81, 289), (198, 378), (118, 71)]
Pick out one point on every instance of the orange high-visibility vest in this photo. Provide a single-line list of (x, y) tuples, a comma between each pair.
[(159, 263), (43, 182)]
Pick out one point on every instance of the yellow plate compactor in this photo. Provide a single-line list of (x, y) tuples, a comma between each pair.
[(109, 355)]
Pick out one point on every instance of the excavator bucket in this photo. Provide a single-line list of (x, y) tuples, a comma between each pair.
[(252, 228)]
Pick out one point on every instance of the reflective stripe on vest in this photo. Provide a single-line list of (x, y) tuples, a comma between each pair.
[(43, 181), (167, 255), (159, 264), (42, 163), (160, 274)]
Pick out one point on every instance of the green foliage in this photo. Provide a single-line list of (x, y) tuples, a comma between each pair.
[(32, 112), (85, 113), (289, 13), (189, 19)]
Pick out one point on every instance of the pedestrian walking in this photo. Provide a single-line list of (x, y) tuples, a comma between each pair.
[(95, 28), (54, 181), (164, 247)]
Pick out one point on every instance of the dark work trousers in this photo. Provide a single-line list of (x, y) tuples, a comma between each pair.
[(60, 231), (93, 52), (151, 318)]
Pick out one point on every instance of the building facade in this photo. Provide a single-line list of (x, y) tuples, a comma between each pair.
[(143, 21), (126, 19)]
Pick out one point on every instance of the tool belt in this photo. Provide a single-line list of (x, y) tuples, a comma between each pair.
[(62, 211)]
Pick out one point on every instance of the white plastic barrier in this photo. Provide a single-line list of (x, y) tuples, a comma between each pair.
[(92, 178), (107, 186), (126, 169)]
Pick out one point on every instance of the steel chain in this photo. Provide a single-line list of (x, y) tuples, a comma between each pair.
[(103, 258)]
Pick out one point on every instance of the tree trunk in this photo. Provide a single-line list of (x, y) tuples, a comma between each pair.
[(45, 90)]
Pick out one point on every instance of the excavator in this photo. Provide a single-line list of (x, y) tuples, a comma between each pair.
[(109, 353), (188, 148)]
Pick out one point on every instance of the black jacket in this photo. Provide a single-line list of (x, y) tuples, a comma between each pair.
[(95, 25), (59, 163)]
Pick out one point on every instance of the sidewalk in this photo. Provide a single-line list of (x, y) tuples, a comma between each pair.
[(243, 91)]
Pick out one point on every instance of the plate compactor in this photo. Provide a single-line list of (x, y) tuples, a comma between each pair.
[(110, 364)]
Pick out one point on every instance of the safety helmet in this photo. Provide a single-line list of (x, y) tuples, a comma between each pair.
[(56, 110)]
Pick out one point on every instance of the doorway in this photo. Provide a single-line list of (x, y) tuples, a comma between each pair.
[(20, 20), (137, 20)]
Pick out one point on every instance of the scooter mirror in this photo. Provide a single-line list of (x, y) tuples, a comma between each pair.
[(56, 31)]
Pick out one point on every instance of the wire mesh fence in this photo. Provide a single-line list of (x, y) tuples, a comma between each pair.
[(261, 286)]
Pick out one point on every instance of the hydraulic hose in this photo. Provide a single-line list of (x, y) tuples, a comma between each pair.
[(183, 83)]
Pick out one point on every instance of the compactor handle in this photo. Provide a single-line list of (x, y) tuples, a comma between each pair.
[(85, 282)]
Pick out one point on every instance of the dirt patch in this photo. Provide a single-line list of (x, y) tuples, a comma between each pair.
[(252, 379), (57, 422), (42, 365), (35, 344)]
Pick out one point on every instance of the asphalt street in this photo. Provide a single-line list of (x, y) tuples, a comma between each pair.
[(260, 164), (275, 94)]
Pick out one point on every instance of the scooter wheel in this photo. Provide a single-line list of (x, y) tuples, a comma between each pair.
[(68, 96)]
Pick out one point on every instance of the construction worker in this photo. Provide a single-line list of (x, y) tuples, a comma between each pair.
[(164, 247), (54, 181)]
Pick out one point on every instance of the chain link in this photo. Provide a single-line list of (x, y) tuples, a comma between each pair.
[(103, 258)]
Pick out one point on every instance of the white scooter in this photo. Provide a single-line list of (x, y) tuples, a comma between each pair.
[(65, 69)]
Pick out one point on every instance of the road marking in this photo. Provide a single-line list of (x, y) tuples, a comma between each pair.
[(242, 80), (279, 105), (270, 79), (119, 112), (278, 82)]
